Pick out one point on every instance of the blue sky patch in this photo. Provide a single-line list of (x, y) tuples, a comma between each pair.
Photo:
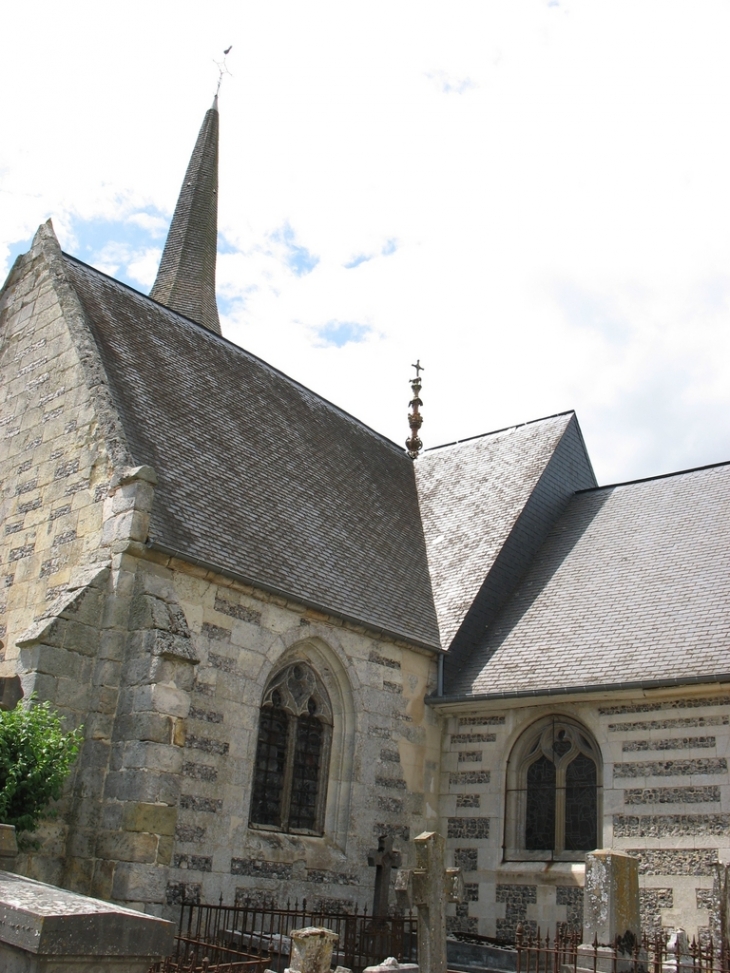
[(361, 258), (15, 249), (139, 231), (389, 247), (339, 333), (298, 259)]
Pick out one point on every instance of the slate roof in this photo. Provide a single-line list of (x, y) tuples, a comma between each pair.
[(631, 586), (472, 495), (257, 475)]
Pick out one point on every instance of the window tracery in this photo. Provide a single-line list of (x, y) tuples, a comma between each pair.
[(553, 796), (292, 753)]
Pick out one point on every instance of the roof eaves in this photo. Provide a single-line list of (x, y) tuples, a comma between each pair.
[(639, 684)]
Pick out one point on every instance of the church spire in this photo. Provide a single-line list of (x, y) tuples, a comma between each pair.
[(186, 278)]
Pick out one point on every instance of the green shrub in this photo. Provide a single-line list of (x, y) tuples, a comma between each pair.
[(35, 759)]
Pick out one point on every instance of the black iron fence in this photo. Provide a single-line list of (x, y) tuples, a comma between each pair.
[(197, 956), (263, 930), (649, 954)]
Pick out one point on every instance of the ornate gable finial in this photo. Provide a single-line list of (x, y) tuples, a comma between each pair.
[(415, 419)]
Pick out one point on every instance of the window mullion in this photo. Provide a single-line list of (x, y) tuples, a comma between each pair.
[(560, 809), (288, 771), (324, 763)]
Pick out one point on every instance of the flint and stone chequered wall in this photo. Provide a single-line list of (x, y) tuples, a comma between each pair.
[(666, 799)]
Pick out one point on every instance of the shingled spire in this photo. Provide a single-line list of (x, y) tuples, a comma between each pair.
[(186, 278)]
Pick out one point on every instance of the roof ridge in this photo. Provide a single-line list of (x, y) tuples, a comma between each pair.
[(658, 476), (214, 335), (494, 432)]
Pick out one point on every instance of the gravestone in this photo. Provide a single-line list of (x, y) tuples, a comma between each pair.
[(678, 957), (391, 965), (311, 950), (611, 898), (720, 903), (430, 886), (43, 928), (384, 859), (611, 915)]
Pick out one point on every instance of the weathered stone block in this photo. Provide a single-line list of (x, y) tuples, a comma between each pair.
[(164, 850), (145, 786), (158, 819), (139, 883), (162, 699), (151, 727), (127, 847)]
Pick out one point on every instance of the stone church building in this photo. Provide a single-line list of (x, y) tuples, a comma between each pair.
[(285, 638)]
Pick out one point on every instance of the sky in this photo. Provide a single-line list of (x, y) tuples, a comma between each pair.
[(531, 197)]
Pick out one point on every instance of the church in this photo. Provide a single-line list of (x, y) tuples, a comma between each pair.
[(286, 637)]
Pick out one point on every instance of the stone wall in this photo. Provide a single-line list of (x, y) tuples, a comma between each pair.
[(384, 764), (665, 798), (54, 467), (174, 661)]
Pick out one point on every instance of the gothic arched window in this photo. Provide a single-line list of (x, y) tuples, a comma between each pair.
[(553, 793), (292, 754)]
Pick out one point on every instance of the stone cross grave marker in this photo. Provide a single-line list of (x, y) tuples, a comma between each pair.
[(429, 886), (384, 859)]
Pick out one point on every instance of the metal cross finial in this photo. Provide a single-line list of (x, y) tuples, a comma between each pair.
[(415, 419), (222, 68)]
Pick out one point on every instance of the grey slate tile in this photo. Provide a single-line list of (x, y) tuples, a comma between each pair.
[(632, 585), (256, 474)]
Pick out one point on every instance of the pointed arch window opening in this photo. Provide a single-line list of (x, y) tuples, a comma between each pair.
[(292, 753), (553, 798)]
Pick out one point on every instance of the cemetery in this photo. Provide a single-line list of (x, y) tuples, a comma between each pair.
[(44, 929)]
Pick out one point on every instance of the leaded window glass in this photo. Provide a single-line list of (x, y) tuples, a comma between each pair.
[(553, 793), (292, 754)]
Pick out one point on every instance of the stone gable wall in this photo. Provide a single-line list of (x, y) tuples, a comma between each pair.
[(666, 799), (54, 468)]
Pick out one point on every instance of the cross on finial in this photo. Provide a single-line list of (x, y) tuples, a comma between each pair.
[(415, 419), (222, 68)]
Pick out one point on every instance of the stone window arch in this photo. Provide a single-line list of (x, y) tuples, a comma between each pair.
[(554, 794), (291, 767)]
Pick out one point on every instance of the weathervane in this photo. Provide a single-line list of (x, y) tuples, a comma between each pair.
[(415, 419), (222, 68)]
